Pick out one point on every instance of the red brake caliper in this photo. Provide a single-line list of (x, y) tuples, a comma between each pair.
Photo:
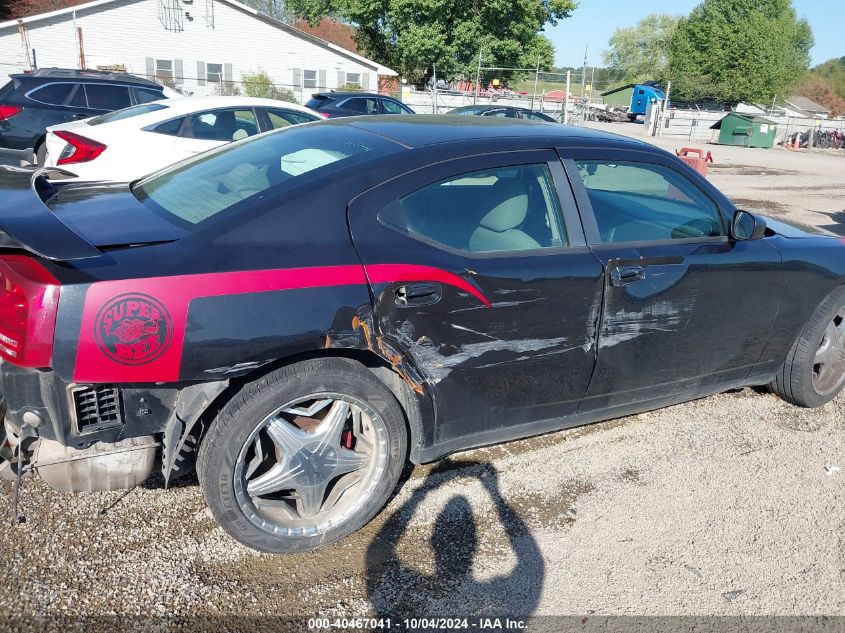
[(346, 439)]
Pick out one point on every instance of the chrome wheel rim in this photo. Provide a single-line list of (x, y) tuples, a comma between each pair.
[(311, 465), (829, 361)]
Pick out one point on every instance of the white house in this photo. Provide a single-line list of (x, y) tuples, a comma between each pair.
[(194, 44)]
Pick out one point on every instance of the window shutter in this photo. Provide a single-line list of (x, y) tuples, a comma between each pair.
[(200, 73), (365, 82), (151, 68), (178, 74), (341, 79), (321, 82), (297, 78), (227, 72)]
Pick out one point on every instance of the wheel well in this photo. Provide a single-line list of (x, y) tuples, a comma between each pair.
[(413, 409)]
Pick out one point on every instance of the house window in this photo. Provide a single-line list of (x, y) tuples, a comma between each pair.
[(214, 73), (309, 79), (353, 79), (164, 68)]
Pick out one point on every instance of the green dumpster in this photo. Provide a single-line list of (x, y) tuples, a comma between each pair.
[(745, 130)]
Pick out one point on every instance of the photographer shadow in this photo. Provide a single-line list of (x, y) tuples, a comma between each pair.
[(398, 590)]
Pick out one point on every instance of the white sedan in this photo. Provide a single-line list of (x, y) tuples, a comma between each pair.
[(127, 144)]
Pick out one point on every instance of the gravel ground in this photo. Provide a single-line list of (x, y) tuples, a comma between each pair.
[(730, 505)]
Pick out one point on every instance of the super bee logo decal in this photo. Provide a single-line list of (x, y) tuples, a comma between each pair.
[(133, 329)]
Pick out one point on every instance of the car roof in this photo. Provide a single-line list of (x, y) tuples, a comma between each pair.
[(486, 106), (349, 93), (185, 105), (419, 130), (87, 75)]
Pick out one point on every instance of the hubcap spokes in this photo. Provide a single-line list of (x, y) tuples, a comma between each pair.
[(305, 461), (829, 361)]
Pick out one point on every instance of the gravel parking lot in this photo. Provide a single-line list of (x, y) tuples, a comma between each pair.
[(729, 505)]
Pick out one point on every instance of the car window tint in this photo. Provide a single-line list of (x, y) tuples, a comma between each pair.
[(52, 94), (284, 118), (145, 95), (78, 100), (364, 106), (497, 210), (169, 127), (106, 97), (215, 181), (392, 107), (127, 113), (536, 116), (501, 113), (635, 202), (222, 125), (316, 102)]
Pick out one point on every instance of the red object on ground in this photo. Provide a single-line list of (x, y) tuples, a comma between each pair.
[(695, 158)]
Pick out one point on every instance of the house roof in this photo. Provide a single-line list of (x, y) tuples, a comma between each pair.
[(807, 105), (339, 50)]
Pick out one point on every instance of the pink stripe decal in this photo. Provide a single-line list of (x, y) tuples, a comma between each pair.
[(160, 309)]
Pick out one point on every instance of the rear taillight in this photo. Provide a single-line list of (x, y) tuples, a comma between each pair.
[(7, 111), (29, 300), (325, 115), (79, 149)]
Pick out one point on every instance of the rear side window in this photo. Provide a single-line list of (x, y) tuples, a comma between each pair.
[(145, 95), (222, 125), (107, 97), (78, 99), (635, 202), (497, 210), (127, 113), (168, 127), (52, 94), (364, 106), (216, 181)]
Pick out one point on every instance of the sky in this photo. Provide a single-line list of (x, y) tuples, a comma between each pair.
[(594, 22)]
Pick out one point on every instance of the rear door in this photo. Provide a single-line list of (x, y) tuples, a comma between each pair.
[(209, 129), (685, 307), (498, 298)]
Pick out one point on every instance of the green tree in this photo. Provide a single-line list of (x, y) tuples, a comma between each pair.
[(411, 35), (832, 72), (739, 50), (639, 53), (259, 84)]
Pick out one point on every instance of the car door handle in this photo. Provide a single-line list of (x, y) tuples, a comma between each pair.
[(624, 275), (422, 294)]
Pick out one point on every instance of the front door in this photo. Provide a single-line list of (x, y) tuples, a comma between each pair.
[(500, 296), (684, 309)]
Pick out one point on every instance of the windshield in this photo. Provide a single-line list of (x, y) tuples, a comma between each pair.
[(125, 113), (215, 181)]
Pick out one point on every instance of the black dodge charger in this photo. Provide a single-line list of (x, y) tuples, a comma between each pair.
[(306, 310)]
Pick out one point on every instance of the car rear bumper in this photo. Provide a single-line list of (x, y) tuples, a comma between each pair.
[(16, 157)]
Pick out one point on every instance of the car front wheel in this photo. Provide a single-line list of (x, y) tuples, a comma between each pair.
[(814, 371), (303, 456)]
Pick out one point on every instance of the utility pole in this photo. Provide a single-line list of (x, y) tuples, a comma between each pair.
[(434, 83), (536, 76), (566, 97), (592, 81), (477, 78), (584, 72)]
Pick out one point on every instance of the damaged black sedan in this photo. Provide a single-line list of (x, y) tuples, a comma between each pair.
[(299, 314)]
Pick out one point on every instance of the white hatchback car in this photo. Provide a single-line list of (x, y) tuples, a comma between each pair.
[(127, 144)]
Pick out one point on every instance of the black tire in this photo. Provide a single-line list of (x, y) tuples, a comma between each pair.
[(234, 424), (41, 154), (795, 381)]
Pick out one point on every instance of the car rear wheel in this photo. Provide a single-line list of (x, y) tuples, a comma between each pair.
[(303, 456), (41, 154), (814, 371)]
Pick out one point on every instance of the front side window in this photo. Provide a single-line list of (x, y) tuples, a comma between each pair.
[(214, 73), (309, 78), (634, 202), (503, 113), (222, 125), (107, 97), (52, 94), (216, 181), (496, 210), (283, 118), (393, 107), (145, 95)]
